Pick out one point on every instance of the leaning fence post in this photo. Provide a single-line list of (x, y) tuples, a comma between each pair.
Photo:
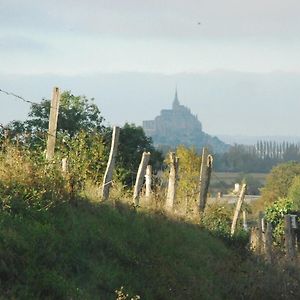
[(260, 237), (174, 163), (289, 238), (148, 179), (140, 177), (52, 123), (205, 174), (268, 243), (111, 163), (238, 208), (245, 225)]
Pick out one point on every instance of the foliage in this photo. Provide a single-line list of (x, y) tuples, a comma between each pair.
[(279, 181), (188, 183), (76, 113), (86, 154), (260, 158), (132, 143), (275, 214), (218, 218), (282, 206), (294, 193), (83, 139), (237, 159), (122, 295), (189, 169), (28, 183), (55, 250)]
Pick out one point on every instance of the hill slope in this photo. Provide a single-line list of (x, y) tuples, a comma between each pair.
[(88, 251)]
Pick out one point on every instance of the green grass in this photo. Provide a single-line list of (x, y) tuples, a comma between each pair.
[(88, 251)]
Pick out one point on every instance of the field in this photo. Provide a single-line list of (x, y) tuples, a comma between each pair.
[(230, 177), (224, 182)]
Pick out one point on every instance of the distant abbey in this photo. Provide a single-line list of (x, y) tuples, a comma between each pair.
[(178, 126)]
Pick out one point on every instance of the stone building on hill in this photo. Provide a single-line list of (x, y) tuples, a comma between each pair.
[(178, 126)]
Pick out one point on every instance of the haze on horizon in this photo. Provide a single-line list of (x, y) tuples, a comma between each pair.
[(239, 70)]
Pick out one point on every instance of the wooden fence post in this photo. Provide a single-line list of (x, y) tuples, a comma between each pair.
[(289, 238), (245, 225), (186, 205), (171, 194), (107, 180), (254, 239), (268, 243), (52, 123), (64, 165), (238, 208), (148, 178), (140, 177), (205, 174)]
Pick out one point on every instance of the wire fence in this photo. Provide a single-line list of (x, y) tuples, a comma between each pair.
[(133, 173), (21, 98), (18, 97)]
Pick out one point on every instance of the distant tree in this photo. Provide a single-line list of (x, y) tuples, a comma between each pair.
[(132, 143), (237, 159), (291, 153), (279, 181)]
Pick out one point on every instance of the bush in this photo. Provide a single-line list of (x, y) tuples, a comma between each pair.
[(279, 181), (26, 182), (275, 212), (87, 156), (217, 218)]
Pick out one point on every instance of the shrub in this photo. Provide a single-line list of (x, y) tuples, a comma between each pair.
[(87, 156), (279, 181), (282, 206), (26, 182), (217, 218)]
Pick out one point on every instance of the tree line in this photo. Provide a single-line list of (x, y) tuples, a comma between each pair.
[(82, 136), (80, 117), (259, 158)]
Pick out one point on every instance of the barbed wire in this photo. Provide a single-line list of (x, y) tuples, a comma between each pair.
[(18, 97), (26, 101)]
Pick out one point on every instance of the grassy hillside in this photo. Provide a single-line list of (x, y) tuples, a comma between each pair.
[(88, 251)]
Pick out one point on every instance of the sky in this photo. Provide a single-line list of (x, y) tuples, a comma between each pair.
[(236, 63)]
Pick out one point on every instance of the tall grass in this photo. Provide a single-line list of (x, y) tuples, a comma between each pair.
[(53, 249)]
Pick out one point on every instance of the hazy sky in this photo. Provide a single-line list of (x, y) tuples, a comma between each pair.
[(67, 39)]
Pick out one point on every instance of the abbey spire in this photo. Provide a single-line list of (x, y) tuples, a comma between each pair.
[(175, 101)]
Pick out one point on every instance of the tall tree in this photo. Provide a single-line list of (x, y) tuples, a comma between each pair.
[(132, 143), (279, 181), (75, 113)]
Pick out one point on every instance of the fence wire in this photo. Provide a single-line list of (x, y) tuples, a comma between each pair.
[(18, 97)]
